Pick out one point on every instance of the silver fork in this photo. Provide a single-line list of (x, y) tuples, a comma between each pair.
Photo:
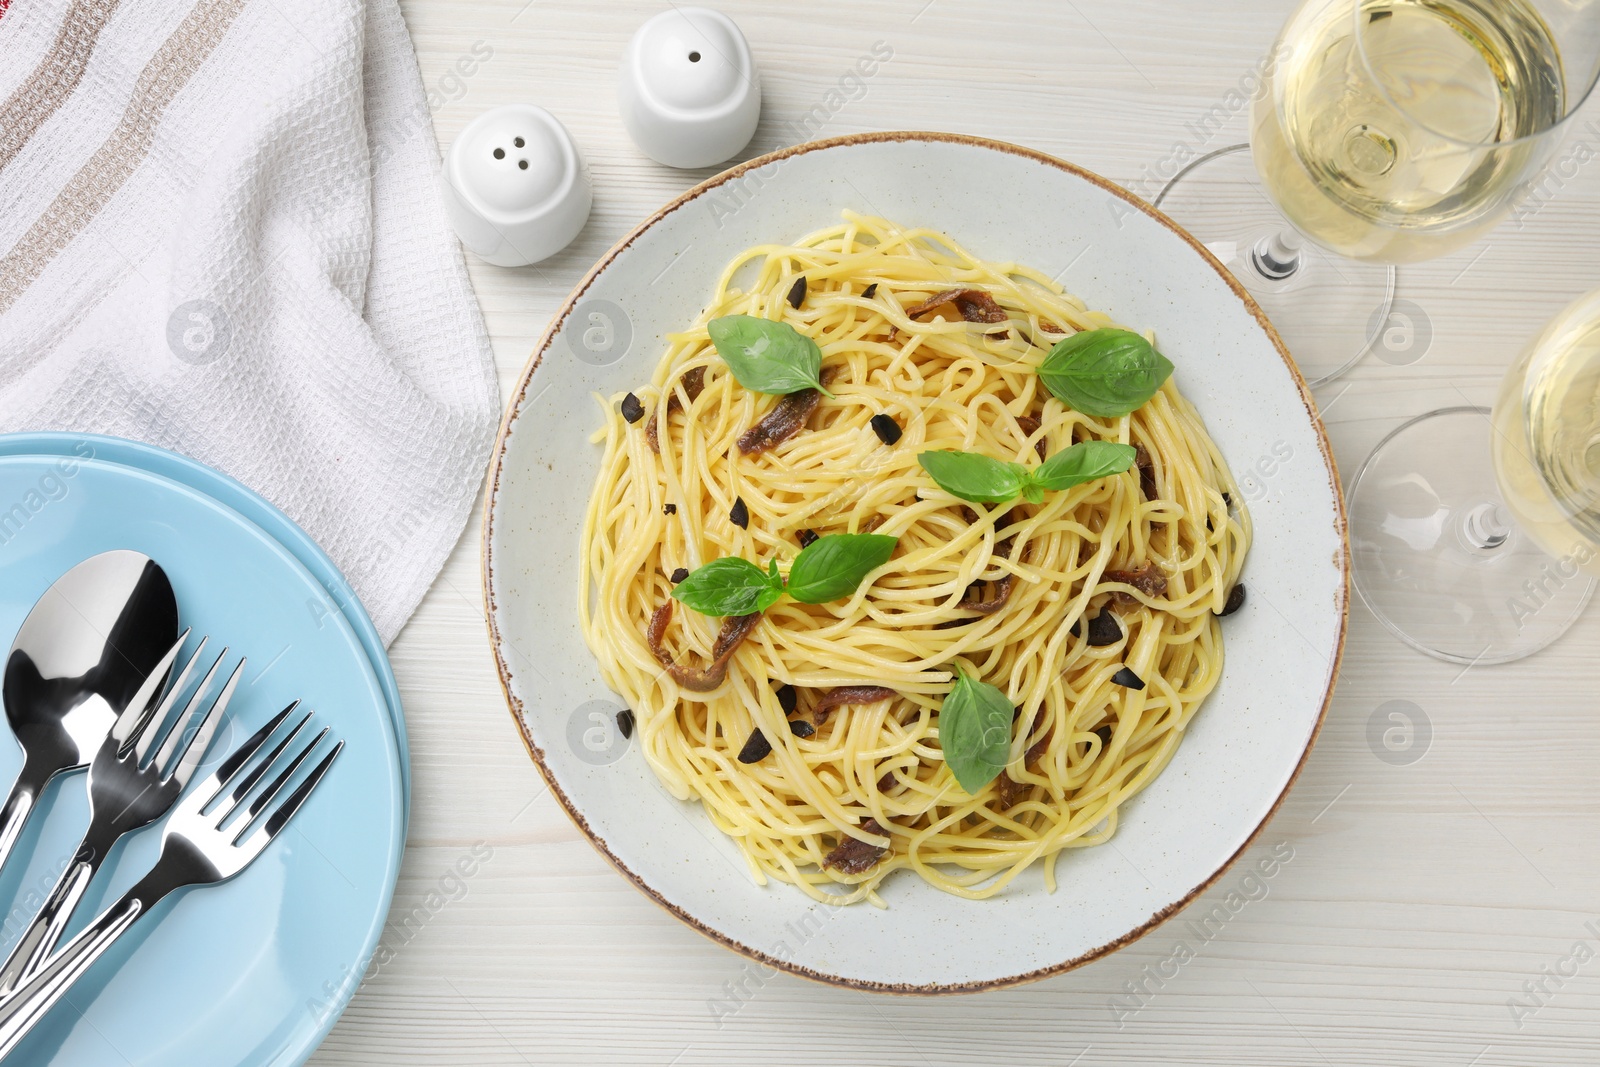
[(198, 848), (128, 788)]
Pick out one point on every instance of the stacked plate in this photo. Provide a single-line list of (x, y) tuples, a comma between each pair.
[(257, 970)]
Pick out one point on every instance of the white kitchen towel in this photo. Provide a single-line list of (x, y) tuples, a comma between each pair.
[(221, 233)]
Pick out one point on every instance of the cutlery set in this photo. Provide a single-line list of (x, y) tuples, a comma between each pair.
[(90, 683)]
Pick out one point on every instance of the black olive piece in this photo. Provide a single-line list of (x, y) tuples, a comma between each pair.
[(788, 699), (801, 728), (1104, 734), (756, 749), (797, 292), (886, 428), (740, 515), (669, 509), (632, 409), (806, 537), (870, 291), (1235, 601), (1076, 629), (1104, 629), (679, 575), (625, 722), (1126, 678)]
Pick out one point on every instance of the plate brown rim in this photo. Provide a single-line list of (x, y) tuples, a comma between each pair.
[(514, 407)]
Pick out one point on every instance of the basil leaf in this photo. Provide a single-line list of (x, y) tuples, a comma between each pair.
[(767, 356), (975, 731), (1083, 462), (975, 477), (833, 565), (1104, 372), (729, 586)]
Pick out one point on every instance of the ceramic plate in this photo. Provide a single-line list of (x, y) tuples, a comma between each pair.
[(1003, 203), (255, 971), (254, 508)]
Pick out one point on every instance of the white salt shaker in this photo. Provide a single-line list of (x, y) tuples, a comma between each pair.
[(515, 187), (690, 93)]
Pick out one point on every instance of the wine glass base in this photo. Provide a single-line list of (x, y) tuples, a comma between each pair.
[(1419, 561), (1329, 311)]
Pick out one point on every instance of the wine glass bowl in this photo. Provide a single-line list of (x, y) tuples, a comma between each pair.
[(1546, 442), (1383, 132), (1402, 130)]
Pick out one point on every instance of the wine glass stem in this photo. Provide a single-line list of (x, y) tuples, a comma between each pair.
[(1278, 255), (1486, 526)]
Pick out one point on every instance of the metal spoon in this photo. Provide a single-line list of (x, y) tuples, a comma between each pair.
[(80, 656)]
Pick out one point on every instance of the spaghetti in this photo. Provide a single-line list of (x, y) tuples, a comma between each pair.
[(1063, 604)]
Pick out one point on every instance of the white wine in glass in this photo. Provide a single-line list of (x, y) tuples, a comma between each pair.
[(1400, 130), (1383, 132), (1546, 444)]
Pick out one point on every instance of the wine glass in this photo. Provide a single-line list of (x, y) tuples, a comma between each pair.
[(1382, 132), (1475, 533)]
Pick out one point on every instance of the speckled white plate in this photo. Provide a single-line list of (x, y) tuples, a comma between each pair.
[(1004, 203)]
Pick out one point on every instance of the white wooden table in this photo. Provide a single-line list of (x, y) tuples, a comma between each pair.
[(1423, 901)]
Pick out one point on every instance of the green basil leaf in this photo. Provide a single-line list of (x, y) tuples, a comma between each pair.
[(975, 731), (1104, 372), (767, 356), (975, 477), (729, 586), (832, 566), (1083, 462)]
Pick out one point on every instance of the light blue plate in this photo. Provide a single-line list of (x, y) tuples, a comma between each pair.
[(252, 506), (253, 972)]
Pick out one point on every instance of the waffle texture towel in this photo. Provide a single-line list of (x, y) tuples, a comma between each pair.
[(221, 233)]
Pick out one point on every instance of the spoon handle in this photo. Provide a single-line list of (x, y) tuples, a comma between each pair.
[(18, 806), (42, 934), (39, 992)]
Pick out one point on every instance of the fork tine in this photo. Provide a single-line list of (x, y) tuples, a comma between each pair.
[(191, 754), (191, 709), (280, 818), (147, 736), (248, 782), (276, 785), (173, 731), (137, 713), (237, 759)]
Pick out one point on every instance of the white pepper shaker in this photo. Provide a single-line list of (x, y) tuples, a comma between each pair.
[(690, 93), (515, 187)]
